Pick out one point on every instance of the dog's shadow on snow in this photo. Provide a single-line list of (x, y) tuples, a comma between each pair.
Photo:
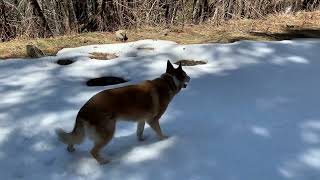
[(125, 152)]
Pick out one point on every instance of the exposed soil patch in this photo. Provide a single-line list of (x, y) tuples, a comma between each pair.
[(105, 81), (185, 62), (145, 48), (64, 62), (290, 33), (103, 56)]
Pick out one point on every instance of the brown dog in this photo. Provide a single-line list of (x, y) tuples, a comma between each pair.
[(142, 103)]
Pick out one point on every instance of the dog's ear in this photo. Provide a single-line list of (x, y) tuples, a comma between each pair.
[(170, 68), (180, 66)]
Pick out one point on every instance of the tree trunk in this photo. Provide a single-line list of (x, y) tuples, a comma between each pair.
[(196, 11), (110, 16), (57, 26), (310, 4), (38, 12), (82, 13), (72, 16), (7, 31), (3, 22)]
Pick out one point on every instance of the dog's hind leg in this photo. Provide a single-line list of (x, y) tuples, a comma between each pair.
[(140, 129), (101, 134)]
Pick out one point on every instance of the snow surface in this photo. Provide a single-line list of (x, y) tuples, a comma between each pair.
[(251, 113)]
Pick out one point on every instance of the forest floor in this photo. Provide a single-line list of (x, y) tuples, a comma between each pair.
[(273, 27)]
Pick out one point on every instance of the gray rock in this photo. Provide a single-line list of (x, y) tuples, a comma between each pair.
[(34, 52), (121, 35)]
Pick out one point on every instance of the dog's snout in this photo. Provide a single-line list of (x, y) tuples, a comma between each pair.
[(188, 78)]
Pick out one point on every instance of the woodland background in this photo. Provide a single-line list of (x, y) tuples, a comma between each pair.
[(46, 18)]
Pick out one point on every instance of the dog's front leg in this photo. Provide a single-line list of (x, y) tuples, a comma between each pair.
[(156, 127), (140, 129)]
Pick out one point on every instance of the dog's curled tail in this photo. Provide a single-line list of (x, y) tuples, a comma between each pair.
[(76, 136)]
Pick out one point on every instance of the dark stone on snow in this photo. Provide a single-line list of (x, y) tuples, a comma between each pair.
[(105, 81)]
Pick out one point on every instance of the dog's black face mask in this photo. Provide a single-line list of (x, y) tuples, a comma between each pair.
[(178, 73)]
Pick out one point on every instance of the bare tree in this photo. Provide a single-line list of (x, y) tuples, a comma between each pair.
[(37, 11), (43, 18)]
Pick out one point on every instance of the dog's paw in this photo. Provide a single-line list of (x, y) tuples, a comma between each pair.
[(164, 137), (142, 138), (104, 161), (70, 148)]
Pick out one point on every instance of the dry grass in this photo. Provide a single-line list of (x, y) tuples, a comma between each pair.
[(189, 62), (234, 30), (50, 46), (102, 56), (273, 27)]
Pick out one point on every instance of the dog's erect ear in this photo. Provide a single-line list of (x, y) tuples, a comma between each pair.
[(169, 67), (180, 66)]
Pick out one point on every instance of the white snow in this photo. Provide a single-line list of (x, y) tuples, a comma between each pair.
[(251, 113)]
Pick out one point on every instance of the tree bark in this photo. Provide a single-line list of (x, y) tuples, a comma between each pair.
[(310, 4), (38, 12), (196, 13), (3, 32), (72, 16), (7, 31)]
